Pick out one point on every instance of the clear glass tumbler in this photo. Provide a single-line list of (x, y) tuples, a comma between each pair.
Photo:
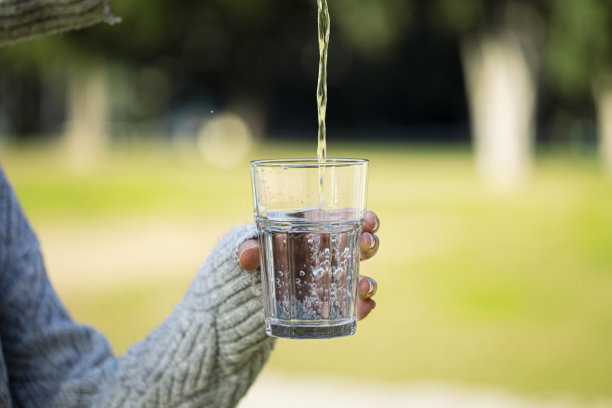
[(309, 217)]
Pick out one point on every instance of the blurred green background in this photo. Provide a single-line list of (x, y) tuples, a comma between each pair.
[(489, 130), (511, 291)]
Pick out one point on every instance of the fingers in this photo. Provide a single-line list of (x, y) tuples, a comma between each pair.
[(371, 222), (248, 255), (368, 245), (367, 289), (369, 241), (364, 307)]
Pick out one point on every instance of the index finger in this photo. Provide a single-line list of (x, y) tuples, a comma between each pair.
[(371, 222)]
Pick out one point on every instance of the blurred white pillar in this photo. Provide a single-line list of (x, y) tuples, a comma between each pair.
[(501, 92), (86, 133), (603, 100)]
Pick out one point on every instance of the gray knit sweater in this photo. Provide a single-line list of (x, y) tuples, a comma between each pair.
[(23, 19), (205, 354)]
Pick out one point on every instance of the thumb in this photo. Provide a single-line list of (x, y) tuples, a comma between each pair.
[(248, 255)]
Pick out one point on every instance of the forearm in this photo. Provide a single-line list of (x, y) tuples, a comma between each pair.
[(23, 19), (206, 354)]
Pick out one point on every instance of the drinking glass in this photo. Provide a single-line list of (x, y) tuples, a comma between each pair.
[(309, 216)]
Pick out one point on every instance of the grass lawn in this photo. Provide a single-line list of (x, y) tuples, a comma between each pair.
[(512, 291)]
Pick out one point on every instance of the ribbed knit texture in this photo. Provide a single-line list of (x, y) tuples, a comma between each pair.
[(23, 19), (205, 354)]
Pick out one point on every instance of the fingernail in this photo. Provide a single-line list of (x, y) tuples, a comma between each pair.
[(372, 287), (376, 224), (372, 242), (242, 251)]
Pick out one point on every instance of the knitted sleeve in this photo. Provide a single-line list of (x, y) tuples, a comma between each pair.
[(23, 19), (205, 354)]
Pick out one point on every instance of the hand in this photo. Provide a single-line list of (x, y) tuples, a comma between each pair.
[(248, 255)]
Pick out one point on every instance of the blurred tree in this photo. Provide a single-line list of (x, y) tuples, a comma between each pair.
[(254, 55), (249, 56), (165, 63), (578, 59), (159, 51), (373, 27), (503, 43), (71, 84), (32, 86), (499, 44)]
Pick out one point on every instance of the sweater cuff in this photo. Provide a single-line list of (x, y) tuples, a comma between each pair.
[(221, 278), (234, 296), (25, 20)]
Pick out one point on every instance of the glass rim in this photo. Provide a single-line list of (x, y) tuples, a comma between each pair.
[(308, 163)]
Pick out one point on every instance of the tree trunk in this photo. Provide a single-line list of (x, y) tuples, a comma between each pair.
[(499, 67), (86, 135), (502, 104), (603, 101)]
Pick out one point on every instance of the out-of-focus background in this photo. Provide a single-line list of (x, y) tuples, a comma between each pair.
[(489, 130)]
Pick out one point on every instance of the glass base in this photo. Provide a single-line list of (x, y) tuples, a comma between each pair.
[(309, 329)]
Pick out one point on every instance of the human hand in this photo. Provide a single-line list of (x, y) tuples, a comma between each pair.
[(248, 255)]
